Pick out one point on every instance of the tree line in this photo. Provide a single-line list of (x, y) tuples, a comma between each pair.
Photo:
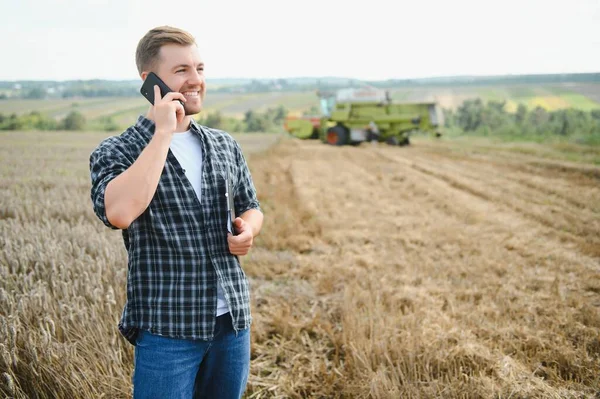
[(35, 120), (472, 117), (492, 119), (268, 121)]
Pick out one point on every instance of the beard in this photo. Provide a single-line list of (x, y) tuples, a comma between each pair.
[(195, 106)]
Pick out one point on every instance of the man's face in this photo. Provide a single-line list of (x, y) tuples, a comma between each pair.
[(182, 69)]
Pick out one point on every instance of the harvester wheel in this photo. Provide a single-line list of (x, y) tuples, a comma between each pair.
[(337, 135), (372, 136), (392, 140), (395, 140)]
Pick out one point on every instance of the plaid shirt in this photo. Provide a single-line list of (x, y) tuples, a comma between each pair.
[(177, 248)]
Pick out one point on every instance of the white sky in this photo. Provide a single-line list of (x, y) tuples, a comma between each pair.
[(375, 39)]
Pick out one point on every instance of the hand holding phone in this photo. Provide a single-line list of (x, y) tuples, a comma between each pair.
[(166, 112), (147, 88)]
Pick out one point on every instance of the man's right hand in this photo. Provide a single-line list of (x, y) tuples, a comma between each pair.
[(167, 111)]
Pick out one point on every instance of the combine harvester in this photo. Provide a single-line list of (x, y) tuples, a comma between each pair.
[(352, 116)]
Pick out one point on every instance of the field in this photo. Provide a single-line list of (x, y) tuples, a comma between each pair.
[(446, 269), (123, 110)]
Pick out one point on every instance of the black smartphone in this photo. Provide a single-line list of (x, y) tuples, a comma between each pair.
[(147, 88), (230, 204)]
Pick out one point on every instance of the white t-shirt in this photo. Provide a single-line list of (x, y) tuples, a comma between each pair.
[(188, 150)]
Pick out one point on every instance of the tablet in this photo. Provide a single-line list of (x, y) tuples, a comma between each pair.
[(230, 204)]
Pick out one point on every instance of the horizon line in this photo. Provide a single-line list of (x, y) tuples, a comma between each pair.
[(340, 77)]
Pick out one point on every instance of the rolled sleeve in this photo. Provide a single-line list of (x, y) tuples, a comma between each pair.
[(245, 197), (107, 161)]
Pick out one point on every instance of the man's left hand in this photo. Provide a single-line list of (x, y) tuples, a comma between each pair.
[(241, 243)]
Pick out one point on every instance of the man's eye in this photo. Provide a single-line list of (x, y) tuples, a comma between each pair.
[(181, 70)]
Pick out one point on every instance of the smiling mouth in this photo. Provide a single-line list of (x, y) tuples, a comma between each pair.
[(191, 93)]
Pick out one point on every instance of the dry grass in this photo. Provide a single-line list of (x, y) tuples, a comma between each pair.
[(421, 272)]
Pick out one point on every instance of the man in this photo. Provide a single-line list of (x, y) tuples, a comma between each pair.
[(162, 182)]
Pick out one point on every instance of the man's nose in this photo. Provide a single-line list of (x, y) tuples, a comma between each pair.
[(196, 78)]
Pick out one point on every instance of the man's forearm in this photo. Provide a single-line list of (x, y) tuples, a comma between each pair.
[(128, 195), (254, 218)]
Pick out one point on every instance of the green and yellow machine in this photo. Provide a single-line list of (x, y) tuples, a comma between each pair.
[(353, 116)]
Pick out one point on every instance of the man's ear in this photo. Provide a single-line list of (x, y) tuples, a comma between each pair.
[(144, 75)]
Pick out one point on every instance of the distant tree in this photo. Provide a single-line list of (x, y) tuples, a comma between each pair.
[(469, 115), (255, 122), (521, 114), (36, 93), (494, 116), (38, 121), (110, 125), (73, 121), (448, 117), (277, 115), (566, 122), (257, 86), (13, 122), (280, 114), (214, 120), (217, 120), (537, 121)]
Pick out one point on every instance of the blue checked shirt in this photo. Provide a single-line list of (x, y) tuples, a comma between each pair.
[(177, 249)]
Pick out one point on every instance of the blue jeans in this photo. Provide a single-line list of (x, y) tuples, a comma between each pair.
[(169, 368)]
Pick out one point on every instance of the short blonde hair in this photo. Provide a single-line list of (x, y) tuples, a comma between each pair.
[(148, 48)]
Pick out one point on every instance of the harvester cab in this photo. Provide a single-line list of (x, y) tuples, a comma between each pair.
[(329, 99), (327, 104)]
